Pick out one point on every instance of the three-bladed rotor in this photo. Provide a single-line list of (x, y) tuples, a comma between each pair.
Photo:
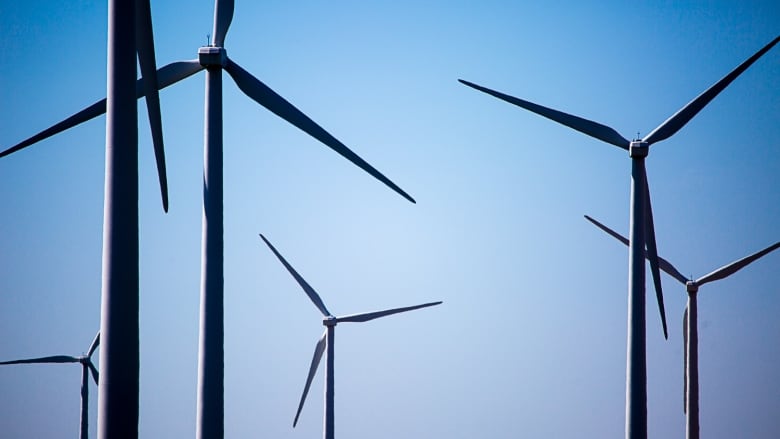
[(330, 321), (86, 364), (152, 81), (85, 360), (637, 148)]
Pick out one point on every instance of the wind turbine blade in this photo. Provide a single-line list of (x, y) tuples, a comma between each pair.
[(166, 76), (315, 298), (268, 98), (652, 256), (685, 114), (364, 317), (315, 362), (585, 126), (609, 231), (82, 116), (735, 266), (223, 15), (173, 73), (94, 345), (665, 265), (51, 359), (95, 374), (685, 360), (145, 47)]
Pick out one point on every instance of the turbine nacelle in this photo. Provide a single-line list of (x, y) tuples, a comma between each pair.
[(212, 56), (329, 321), (638, 149), (691, 286)]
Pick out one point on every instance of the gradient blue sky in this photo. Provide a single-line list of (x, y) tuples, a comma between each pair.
[(530, 341)]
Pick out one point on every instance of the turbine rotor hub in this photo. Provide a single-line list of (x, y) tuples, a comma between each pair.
[(691, 286), (212, 56), (329, 321), (638, 149)]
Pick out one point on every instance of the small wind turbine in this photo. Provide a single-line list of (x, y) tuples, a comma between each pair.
[(641, 226), (214, 59), (327, 341), (690, 323), (86, 367)]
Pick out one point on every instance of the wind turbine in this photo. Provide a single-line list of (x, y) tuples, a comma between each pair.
[(129, 34), (641, 226), (327, 341), (86, 367), (214, 59), (690, 322)]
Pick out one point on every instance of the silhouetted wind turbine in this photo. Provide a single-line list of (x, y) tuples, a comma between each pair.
[(641, 226), (210, 399), (690, 323), (129, 33), (327, 341), (86, 367)]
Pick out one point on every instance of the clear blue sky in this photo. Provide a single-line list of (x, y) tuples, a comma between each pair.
[(530, 341)]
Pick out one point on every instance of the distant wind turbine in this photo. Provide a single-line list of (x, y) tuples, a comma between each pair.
[(327, 341), (690, 323), (86, 367), (214, 59), (642, 231)]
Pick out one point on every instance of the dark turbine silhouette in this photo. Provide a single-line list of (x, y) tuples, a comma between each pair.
[(213, 59), (327, 341), (129, 34), (690, 325), (86, 367), (642, 231)]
